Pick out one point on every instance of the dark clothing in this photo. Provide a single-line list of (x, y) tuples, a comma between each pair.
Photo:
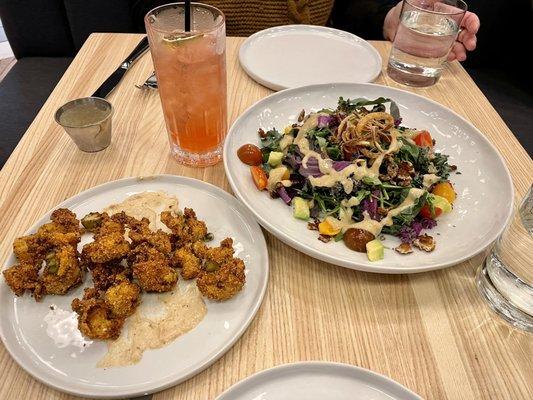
[(364, 17)]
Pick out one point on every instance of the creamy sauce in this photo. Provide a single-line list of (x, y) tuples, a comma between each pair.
[(331, 177), (345, 221), (62, 328), (160, 318), (184, 308), (429, 179), (146, 205)]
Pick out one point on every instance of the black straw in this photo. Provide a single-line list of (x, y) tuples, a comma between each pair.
[(187, 15)]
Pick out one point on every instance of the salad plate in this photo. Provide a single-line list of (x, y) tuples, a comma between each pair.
[(295, 55), (44, 339), (483, 188), (314, 380)]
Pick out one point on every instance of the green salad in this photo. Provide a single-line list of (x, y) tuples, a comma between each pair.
[(356, 173)]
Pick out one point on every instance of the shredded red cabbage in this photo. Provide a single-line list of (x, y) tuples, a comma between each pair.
[(340, 165), (312, 168), (284, 195), (325, 120), (408, 233), (370, 205)]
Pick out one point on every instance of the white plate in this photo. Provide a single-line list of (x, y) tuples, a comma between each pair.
[(484, 188), (317, 381), (23, 330), (296, 55)]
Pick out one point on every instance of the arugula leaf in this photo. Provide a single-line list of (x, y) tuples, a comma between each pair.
[(441, 163), (408, 151), (271, 140), (334, 152), (349, 106), (405, 217)]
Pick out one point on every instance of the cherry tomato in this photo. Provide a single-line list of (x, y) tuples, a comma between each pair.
[(259, 176), (250, 154), (423, 139), (426, 212), (356, 239), (445, 189)]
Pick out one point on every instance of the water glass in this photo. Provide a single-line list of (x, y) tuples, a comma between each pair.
[(425, 36), (505, 280), (191, 75)]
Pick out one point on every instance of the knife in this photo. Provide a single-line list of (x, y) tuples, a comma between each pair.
[(113, 80)]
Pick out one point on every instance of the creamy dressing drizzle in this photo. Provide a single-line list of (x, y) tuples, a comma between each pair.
[(345, 222), (331, 177), (429, 179)]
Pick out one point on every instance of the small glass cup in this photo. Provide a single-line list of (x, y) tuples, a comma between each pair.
[(191, 76), (88, 122), (505, 280), (425, 36)]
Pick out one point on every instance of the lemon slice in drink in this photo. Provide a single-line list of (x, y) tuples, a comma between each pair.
[(178, 39)]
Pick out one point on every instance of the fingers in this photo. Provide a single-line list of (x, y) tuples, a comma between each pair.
[(471, 23), (458, 52), (451, 56)]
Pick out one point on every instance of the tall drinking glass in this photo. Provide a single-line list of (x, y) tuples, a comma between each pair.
[(425, 35), (191, 76), (505, 280)]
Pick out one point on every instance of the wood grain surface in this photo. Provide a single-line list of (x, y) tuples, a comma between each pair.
[(431, 332)]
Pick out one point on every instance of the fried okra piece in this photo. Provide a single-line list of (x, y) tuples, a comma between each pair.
[(30, 249), (109, 243), (189, 263), (104, 275), (152, 269), (186, 228), (22, 277), (195, 257), (92, 221), (123, 297), (63, 230), (95, 317), (62, 271), (140, 232), (223, 283)]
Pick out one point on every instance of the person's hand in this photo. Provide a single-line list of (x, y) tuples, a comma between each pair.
[(466, 40)]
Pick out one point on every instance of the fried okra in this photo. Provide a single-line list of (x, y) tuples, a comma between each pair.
[(186, 228), (152, 269), (224, 282), (22, 277), (123, 297), (108, 243), (95, 317), (140, 232), (104, 275), (62, 271), (55, 244)]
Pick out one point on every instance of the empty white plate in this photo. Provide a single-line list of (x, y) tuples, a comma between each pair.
[(296, 55), (317, 381)]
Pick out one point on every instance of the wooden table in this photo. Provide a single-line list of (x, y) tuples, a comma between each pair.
[(430, 331)]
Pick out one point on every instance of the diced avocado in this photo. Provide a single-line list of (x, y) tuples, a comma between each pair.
[(274, 159), (371, 180), (374, 250), (440, 202), (300, 208)]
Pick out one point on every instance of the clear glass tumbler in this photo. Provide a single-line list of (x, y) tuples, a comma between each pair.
[(191, 76), (424, 38), (505, 280)]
